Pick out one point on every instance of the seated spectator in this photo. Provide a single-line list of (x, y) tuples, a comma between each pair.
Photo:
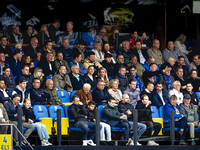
[(193, 78), (187, 109), (195, 64), (176, 91), (4, 48), (77, 61), (106, 49), (123, 80), (155, 52), (90, 78), (38, 73), (102, 74), (38, 95), (180, 120), (193, 95), (67, 52), (75, 78), (46, 35), (180, 63), (159, 96), (78, 112), (134, 38), (3, 63), (125, 51), (54, 99), (148, 90), (99, 54), (102, 38), (171, 51), (12, 109), (120, 62), (5, 95), (15, 63), (166, 79), (29, 34), (15, 35), (25, 75), (139, 67), (133, 75), (170, 63), (90, 60), (114, 91), (47, 65), (112, 40), (100, 94), (47, 49), (84, 94), (22, 91), (33, 50), (145, 117), (141, 55), (61, 80), (8, 78), (132, 92), (81, 49), (108, 65), (59, 61), (26, 60), (179, 77), (145, 40), (30, 119), (147, 63)]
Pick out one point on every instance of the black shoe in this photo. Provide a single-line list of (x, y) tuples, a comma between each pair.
[(103, 143), (193, 143), (110, 143), (183, 143)]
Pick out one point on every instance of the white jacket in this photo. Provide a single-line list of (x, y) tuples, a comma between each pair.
[(178, 94)]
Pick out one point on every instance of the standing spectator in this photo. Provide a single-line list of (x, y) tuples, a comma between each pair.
[(67, 52), (106, 49), (38, 73), (134, 38), (29, 34), (5, 95), (48, 49), (145, 39), (112, 38), (102, 74), (114, 91), (148, 90), (81, 49), (102, 38), (4, 48), (15, 35), (108, 65), (46, 35), (176, 91), (53, 28), (180, 63), (72, 36), (125, 51), (193, 78), (99, 54)]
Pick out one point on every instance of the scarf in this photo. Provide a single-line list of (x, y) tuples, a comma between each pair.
[(122, 76), (169, 82)]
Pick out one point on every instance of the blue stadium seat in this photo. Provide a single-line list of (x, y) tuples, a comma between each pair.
[(36, 64), (154, 111), (49, 77), (198, 96), (110, 78), (73, 93), (64, 96), (53, 111), (187, 66)]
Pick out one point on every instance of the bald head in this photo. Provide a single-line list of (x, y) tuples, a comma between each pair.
[(34, 42), (49, 84), (125, 98), (171, 61)]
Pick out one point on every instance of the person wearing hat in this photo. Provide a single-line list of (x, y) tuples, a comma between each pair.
[(187, 109), (81, 49), (22, 90), (108, 65)]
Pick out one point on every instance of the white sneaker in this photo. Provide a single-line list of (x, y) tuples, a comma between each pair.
[(91, 143), (47, 142), (152, 143), (132, 143), (129, 141), (156, 144), (43, 143), (85, 142), (138, 144)]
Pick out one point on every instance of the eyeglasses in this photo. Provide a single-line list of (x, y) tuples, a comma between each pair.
[(132, 70)]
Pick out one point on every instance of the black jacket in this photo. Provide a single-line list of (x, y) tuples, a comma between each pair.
[(144, 53), (123, 107), (148, 94), (156, 100), (123, 83), (29, 114), (77, 85), (45, 67), (31, 52), (185, 71), (193, 96), (110, 67), (86, 79)]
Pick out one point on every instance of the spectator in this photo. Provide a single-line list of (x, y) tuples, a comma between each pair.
[(8, 78), (192, 94), (26, 60), (170, 63), (47, 65), (81, 49), (75, 78), (99, 54), (108, 65), (148, 90), (62, 81), (159, 96), (176, 91), (67, 52), (139, 67), (22, 91), (78, 112), (180, 63), (38, 73), (195, 64), (171, 51), (90, 35), (33, 50), (100, 94), (180, 120), (134, 38), (15, 35), (151, 60), (53, 28), (179, 77), (46, 35), (187, 109), (123, 80), (29, 34), (102, 38), (30, 119), (72, 36), (114, 91), (4, 48), (5, 95), (194, 80), (84, 94), (132, 92), (25, 75), (106, 49), (12, 109), (120, 62), (145, 117), (15, 63), (125, 51), (37, 94), (90, 78), (133, 75), (145, 39), (141, 55), (77, 61), (155, 52), (102, 75), (59, 61), (48, 49), (3, 63), (112, 38)]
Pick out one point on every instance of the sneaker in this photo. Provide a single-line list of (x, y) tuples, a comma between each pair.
[(138, 144), (156, 144), (43, 143), (91, 143), (132, 143), (193, 143), (129, 141), (47, 142), (183, 143), (84, 142), (152, 143)]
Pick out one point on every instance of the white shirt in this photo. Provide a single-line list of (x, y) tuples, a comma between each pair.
[(1, 113), (160, 94), (4, 93), (50, 67), (178, 94), (142, 59), (91, 77)]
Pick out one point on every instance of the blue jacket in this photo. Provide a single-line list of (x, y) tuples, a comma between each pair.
[(28, 78), (29, 114), (146, 66), (86, 79), (77, 85), (156, 100), (98, 96), (82, 69), (3, 99), (16, 67), (45, 67), (167, 108), (67, 53)]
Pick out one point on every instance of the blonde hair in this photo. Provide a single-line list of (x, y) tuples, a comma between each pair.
[(105, 78), (27, 99), (181, 38), (112, 82), (38, 69), (18, 45)]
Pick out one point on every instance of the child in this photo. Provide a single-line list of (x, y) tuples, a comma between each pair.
[(91, 116), (30, 118)]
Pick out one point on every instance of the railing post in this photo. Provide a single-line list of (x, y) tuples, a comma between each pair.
[(135, 126), (97, 126), (79, 35), (117, 41), (59, 136), (19, 119), (43, 38), (172, 126), (4, 32)]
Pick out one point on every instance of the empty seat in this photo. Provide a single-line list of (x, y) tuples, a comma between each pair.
[(64, 96)]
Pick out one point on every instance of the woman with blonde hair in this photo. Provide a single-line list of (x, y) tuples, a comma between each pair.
[(102, 74), (99, 54), (38, 73)]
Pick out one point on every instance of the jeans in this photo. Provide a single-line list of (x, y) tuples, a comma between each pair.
[(106, 127), (42, 131), (141, 129), (29, 130), (182, 124)]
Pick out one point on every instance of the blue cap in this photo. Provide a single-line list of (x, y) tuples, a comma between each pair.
[(186, 96)]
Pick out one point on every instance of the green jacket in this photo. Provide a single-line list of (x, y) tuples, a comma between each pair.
[(64, 62), (53, 100), (157, 55), (111, 113)]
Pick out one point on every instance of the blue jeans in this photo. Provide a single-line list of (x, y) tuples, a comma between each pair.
[(182, 124), (141, 129), (42, 131)]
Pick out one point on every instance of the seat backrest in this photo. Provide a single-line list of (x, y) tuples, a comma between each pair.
[(161, 112), (154, 111), (53, 111), (49, 77), (66, 110), (198, 96), (40, 111), (36, 64), (64, 96), (101, 107), (73, 93)]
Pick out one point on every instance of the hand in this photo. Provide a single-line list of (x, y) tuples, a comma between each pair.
[(189, 51), (128, 112), (6, 55), (151, 79), (195, 123), (183, 87), (86, 117), (19, 34), (7, 121), (39, 54), (103, 101), (39, 95), (31, 65), (5, 102), (23, 118), (80, 103), (35, 33), (16, 115), (94, 120), (167, 69)]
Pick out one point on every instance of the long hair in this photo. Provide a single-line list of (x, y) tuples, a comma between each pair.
[(181, 38), (105, 78), (38, 69)]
